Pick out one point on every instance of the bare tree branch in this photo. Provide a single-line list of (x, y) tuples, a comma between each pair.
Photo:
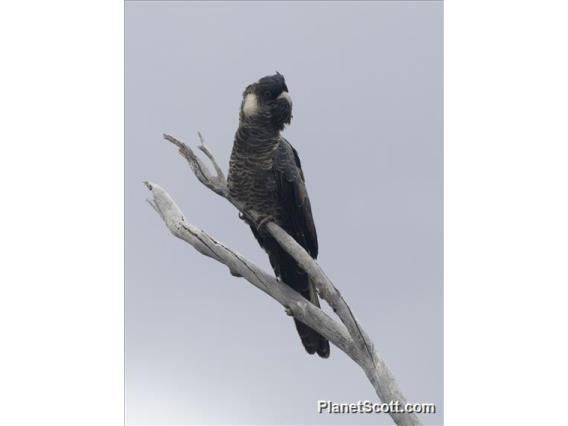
[(203, 148), (238, 265), (218, 183), (349, 336)]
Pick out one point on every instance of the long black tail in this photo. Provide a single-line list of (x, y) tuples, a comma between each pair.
[(288, 270), (295, 277)]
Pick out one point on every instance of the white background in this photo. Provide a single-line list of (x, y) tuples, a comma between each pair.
[(61, 218)]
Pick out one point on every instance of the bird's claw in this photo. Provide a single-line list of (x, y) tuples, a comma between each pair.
[(261, 222), (288, 311)]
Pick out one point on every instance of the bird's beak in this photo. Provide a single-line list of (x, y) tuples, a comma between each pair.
[(286, 95)]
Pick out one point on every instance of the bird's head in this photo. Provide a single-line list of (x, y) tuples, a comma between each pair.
[(267, 102)]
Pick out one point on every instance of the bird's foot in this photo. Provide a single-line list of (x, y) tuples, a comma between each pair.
[(288, 311), (262, 221)]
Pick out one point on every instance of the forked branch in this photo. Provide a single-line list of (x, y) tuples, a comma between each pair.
[(348, 335)]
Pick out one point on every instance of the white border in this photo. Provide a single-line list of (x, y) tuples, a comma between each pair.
[(61, 273), (61, 303), (506, 212)]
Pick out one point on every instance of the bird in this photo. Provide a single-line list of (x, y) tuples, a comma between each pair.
[(265, 175)]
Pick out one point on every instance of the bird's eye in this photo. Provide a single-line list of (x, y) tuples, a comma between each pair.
[(267, 94)]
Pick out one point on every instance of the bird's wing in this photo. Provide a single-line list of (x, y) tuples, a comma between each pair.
[(293, 196)]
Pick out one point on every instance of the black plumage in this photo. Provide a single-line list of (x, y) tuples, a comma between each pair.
[(266, 175)]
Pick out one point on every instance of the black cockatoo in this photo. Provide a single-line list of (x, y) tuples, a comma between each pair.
[(266, 175)]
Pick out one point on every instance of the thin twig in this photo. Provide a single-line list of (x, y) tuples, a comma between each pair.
[(203, 148)]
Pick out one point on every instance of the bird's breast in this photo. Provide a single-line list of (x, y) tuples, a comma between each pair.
[(251, 178)]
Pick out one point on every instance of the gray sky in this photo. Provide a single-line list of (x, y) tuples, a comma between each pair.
[(366, 78)]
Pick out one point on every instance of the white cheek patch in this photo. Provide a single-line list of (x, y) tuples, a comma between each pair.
[(286, 95), (250, 105)]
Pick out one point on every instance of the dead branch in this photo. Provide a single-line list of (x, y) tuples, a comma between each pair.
[(349, 336)]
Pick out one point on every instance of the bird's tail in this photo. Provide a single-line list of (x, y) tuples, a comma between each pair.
[(296, 278), (288, 270), (311, 339)]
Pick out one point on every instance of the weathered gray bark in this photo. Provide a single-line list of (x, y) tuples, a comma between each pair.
[(348, 335)]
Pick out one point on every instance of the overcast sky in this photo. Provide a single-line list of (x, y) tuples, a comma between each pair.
[(366, 78)]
